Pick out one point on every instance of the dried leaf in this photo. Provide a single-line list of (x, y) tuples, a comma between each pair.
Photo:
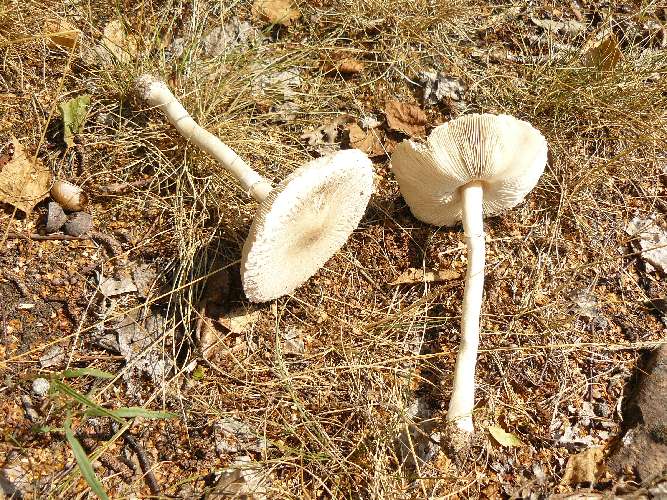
[(283, 12), (651, 240), (242, 479), (504, 438), (569, 27), (232, 436), (223, 39), (584, 467), (406, 118), (370, 142), (413, 275), (438, 86), (325, 137), (145, 279), (61, 33), (74, 113), (110, 287), (239, 320), (122, 46), (23, 182), (602, 53), (140, 336)]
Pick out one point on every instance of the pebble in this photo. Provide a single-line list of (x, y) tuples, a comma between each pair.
[(80, 223), (55, 218)]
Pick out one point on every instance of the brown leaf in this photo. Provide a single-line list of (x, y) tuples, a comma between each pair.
[(61, 33), (283, 12), (602, 53), (23, 182), (413, 275), (122, 46), (370, 142), (584, 467), (406, 118)]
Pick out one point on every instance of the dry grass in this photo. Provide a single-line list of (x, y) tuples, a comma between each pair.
[(336, 415)]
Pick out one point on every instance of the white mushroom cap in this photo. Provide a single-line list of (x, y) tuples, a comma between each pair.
[(506, 154), (303, 222)]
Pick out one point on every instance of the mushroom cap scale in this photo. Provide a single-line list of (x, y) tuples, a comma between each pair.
[(303, 222), (505, 154)]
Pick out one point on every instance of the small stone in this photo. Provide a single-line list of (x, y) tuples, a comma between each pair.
[(40, 386), (78, 224), (55, 218)]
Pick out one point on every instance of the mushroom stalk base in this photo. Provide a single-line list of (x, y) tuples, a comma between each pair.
[(158, 94), (463, 393)]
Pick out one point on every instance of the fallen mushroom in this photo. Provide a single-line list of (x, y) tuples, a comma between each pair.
[(301, 222), (473, 166)]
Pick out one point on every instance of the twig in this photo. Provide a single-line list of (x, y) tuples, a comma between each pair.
[(144, 463), (14, 279), (119, 467), (123, 187), (45, 237), (112, 244)]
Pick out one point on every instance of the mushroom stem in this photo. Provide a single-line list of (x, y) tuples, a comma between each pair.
[(156, 93), (463, 393)]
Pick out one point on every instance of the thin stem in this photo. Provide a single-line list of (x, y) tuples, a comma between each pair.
[(463, 393), (156, 93)]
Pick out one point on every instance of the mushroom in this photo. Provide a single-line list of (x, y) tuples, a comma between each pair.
[(472, 166), (301, 222)]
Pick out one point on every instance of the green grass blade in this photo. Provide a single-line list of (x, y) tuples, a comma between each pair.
[(77, 396), (85, 466), (82, 372)]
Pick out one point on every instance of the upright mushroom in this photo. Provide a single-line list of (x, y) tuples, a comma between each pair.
[(472, 166), (301, 222)]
